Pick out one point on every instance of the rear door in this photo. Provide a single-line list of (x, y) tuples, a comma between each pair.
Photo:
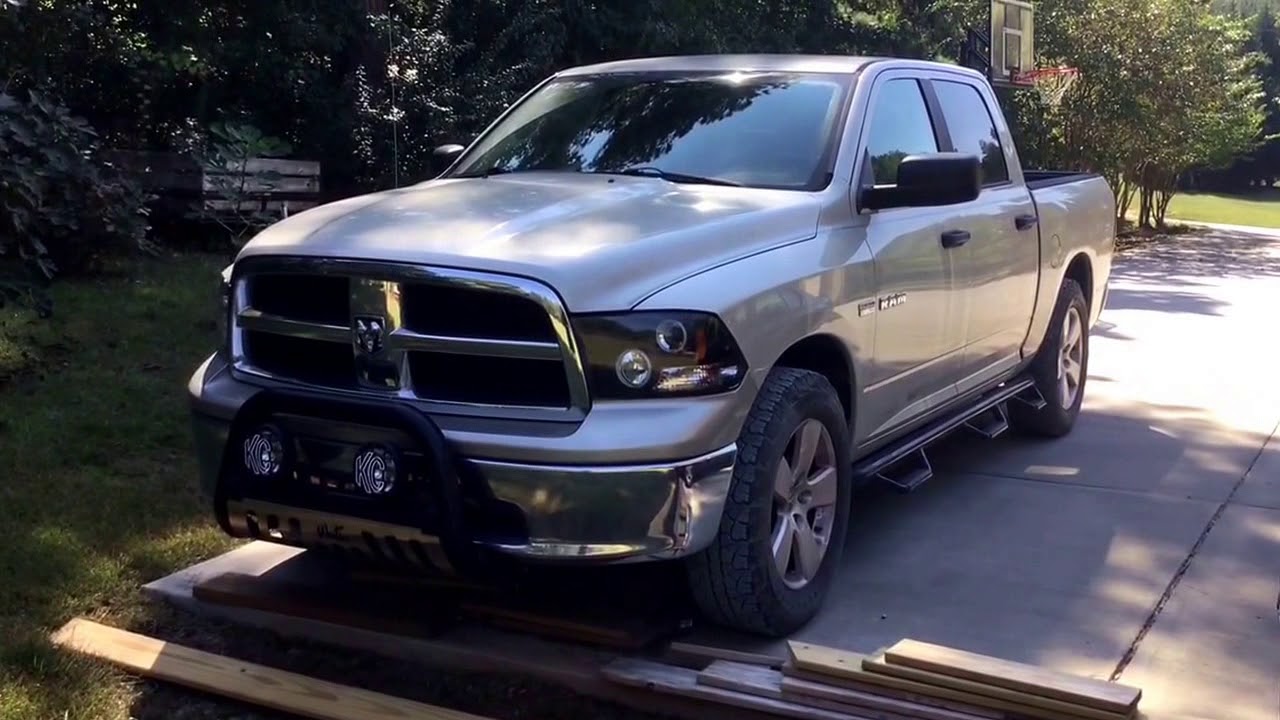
[(997, 269), (919, 339)]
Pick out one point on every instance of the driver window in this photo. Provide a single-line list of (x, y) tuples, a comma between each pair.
[(900, 126)]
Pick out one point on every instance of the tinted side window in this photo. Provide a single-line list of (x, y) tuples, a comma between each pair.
[(971, 127), (900, 126)]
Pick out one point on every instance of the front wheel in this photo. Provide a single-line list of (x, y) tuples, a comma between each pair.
[(1059, 370), (787, 514)]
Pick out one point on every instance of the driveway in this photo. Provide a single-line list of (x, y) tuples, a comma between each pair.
[(1146, 545)]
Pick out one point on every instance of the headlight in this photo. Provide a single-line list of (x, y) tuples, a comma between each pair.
[(658, 354), (224, 304)]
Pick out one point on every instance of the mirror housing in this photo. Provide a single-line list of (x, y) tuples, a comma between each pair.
[(445, 155), (928, 181)]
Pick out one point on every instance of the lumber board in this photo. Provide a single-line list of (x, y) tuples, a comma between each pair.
[(710, 653), (674, 680), (801, 686), (1040, 706), (837, 663), (766, 682), (247, 682), (1093, 693), (326, 605), (871, 701)]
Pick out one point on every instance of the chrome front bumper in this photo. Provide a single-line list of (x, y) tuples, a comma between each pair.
[(598, 512)]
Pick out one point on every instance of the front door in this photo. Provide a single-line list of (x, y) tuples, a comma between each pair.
[(919, 338)]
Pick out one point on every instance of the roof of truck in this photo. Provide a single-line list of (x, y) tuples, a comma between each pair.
[(745, 63)]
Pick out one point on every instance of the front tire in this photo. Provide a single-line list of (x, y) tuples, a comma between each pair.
[(1059, 370), (785, 520)]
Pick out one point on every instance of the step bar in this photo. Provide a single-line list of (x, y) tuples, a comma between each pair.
[(882, 464)]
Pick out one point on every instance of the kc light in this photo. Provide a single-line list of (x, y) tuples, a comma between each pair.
[(658, 354), (264, 452)]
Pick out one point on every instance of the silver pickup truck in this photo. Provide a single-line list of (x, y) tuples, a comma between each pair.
[(661, 309)]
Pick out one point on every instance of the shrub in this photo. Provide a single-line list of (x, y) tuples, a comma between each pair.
[(63, 209)]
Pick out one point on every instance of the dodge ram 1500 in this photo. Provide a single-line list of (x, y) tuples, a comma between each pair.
[(661, 309)]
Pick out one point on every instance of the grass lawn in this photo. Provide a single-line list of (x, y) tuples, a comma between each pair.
[(1261, 209), (98, 488)]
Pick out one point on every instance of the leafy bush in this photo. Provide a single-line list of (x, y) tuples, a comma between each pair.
[(63, 209)]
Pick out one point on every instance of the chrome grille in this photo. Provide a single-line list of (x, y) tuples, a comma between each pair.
[(467, 342)]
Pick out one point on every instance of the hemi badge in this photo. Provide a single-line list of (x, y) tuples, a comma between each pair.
[(866, 308)]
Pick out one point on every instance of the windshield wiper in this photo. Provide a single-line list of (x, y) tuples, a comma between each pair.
[(495, 170), (650, 171)]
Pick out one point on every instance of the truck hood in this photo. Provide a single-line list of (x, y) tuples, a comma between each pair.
[(603, 242)]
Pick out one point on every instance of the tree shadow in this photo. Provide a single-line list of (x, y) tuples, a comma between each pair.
[(1214, 254)]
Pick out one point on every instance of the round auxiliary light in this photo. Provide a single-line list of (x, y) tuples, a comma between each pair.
[(264, 451), (671, 336), (375, 470), (634, 368)]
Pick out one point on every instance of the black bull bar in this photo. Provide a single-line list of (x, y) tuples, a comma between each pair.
[(434, 536)]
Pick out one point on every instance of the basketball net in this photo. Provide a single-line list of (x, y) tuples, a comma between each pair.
[(1052, 82)]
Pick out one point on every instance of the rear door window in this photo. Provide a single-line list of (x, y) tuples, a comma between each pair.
[(971, 127)]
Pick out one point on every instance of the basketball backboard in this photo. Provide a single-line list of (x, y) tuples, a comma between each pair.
[(1006, 47)]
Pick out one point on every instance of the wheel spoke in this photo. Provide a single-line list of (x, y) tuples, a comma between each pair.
[(783, 540), (807, 439), (783, 481), (1071, 369), (1073, 333), (808, 551), (1064, 391), (823, 488)]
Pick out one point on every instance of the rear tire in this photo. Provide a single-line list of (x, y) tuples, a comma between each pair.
[(785, 520), (1060, 369)]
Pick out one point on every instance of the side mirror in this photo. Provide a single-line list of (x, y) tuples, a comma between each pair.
[(928, 181), (445, 155)]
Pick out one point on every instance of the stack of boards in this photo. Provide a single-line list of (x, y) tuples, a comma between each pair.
[(909, 681)]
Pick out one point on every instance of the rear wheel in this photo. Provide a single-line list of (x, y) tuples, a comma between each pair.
[(785, 521), (1059, 370)]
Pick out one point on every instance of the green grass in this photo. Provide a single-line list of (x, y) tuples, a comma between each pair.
[(1260, 209), (97, 480)]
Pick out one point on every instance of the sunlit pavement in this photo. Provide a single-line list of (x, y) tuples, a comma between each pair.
[(1147, 542)]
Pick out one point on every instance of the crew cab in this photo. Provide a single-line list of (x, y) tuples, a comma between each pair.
[(668, 309)]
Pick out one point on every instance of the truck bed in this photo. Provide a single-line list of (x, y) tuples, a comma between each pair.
[(1039, 179)]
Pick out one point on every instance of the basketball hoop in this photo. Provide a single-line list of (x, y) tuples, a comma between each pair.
[(1051, 82)]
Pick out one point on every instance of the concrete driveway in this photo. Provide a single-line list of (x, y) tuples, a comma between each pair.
[(1146, 545)]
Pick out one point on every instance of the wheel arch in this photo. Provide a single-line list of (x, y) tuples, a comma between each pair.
[(828, 356), (1080, 269)]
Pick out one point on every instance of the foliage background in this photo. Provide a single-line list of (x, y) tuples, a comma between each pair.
[(1175, 93)]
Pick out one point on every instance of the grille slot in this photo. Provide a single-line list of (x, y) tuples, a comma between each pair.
[(460, 311), (488, 380), (323, 299), (317, 362)]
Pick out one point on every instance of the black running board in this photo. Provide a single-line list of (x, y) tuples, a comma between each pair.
[(877, 464)]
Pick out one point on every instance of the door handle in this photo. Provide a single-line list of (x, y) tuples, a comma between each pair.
[(1025, 222), (954, 238)]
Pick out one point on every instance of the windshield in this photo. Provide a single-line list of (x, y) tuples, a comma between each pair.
[(771, 130)]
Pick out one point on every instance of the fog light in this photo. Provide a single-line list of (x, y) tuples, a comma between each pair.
[(264, 452), (375, 471), (634, 368)]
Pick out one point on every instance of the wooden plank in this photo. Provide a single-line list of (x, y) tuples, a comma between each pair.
[(708, 653), (829, 662), (808, 692), (259, 185), (1039, 706), (766, 682), (247, 682), (631, 634), (1014, 676), (674, 680), (333, 605), (803, 687)]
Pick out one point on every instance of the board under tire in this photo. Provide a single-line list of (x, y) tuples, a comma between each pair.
[(735, 582), (1054, 419)]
